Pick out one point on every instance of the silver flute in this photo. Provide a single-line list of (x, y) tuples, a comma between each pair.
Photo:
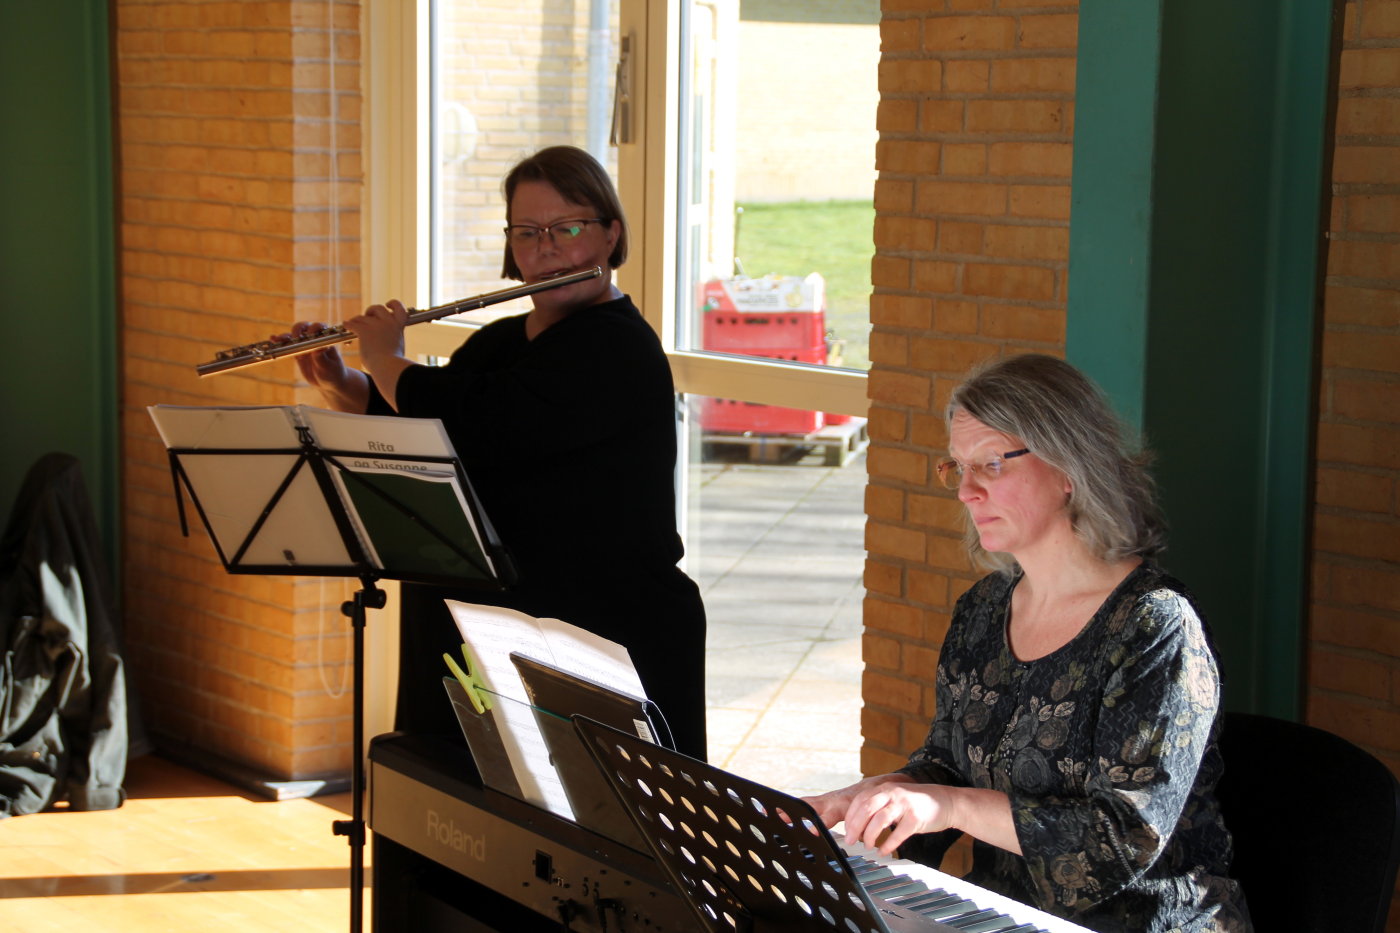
[(268, 350)]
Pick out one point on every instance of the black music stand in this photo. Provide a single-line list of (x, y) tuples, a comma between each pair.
[(365, 511), (746, 857)]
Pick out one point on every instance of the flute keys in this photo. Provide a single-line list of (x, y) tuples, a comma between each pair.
[(265, 349)]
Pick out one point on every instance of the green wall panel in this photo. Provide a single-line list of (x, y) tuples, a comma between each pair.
[(58, 389), (1115, 140), (1223, 331)]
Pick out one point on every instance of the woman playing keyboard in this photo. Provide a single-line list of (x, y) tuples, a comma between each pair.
[(1077, 687)]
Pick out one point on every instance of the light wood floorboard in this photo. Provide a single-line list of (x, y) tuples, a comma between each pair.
[(185, 852)]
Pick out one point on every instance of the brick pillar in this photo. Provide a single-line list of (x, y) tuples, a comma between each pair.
[(1354, 637), (971, 239), (239, 182)]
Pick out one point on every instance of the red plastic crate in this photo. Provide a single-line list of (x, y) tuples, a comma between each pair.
[(727, 416), (777, 312), (776, 317), (744, 331)]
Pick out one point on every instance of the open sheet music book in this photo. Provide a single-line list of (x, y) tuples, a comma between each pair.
[(491, 634), (244, 466)]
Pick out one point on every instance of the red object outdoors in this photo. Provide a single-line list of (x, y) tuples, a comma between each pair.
[(778, 317)]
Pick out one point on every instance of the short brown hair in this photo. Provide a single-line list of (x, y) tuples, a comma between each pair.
[(579, 178)]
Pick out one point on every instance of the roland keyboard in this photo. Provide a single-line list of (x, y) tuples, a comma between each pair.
[(449, 854), (946, 900)]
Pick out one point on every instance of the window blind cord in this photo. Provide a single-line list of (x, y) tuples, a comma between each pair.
[(334, 692), (334, 316)]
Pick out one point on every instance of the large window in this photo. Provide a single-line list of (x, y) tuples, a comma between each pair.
[(775, 118), (741, 137), (506, 80)]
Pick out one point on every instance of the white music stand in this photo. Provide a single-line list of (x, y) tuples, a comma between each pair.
[(308, 492)]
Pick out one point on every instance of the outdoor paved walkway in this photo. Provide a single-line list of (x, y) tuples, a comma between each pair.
[(779, 557)]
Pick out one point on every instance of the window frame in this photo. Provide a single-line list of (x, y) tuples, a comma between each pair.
[(396, 227), (397, 220)]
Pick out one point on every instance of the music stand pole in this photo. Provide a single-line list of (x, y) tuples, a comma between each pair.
[(367, 597)]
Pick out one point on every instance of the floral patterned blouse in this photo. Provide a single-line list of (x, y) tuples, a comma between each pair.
[(1107, 750)]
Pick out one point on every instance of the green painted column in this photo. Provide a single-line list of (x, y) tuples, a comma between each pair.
[(58, 388), (1193, 292), (1115, 140)]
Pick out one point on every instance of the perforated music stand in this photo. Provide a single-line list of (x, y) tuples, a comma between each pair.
[(744, 856), (311, 511)]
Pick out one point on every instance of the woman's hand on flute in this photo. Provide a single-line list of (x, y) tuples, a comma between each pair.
[(380, 332), (343, 388)]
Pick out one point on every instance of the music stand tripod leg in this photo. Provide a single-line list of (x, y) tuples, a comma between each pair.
[(367, 597)]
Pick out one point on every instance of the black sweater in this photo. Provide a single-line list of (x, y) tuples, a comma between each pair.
[(569, 439), (570, 442)]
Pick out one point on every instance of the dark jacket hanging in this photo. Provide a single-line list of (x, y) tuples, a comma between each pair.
[(63, 710)]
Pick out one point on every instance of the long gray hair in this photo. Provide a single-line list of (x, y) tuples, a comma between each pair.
[(1063, 417)]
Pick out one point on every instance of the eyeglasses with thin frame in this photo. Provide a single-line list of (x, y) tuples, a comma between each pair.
[(951, 471), (561, 231)]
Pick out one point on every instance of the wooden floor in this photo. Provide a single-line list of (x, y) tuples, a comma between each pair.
[(185, 852)]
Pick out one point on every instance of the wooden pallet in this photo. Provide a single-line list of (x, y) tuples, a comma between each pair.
[(838, 442)]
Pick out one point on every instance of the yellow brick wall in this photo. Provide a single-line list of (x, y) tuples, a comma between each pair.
[(971, 234), (1354, 627), (239, 181), (1354, 673), (976, 122)]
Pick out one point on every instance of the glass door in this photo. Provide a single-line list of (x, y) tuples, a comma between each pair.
[(742, 139), (773, 144)]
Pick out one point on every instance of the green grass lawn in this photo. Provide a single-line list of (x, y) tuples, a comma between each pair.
[(834, 238)]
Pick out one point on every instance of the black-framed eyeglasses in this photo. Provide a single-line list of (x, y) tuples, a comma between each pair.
[(951, 471), (561, 231)]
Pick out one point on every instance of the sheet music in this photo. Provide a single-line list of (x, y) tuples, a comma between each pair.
[(382, 439), (377, 434), (492, 633), (236, 428), (300, 531), (391, 453), (436, 496), (584, 654), (254, 427)]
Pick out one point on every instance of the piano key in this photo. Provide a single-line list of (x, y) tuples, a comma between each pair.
[(1030, 919), (894, 887), (902, 883), (982, 916), (998, 924), (938, 903), (955, 908), (916, 901)]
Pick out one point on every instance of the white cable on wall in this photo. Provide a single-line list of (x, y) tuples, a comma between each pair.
[(334, 317)]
